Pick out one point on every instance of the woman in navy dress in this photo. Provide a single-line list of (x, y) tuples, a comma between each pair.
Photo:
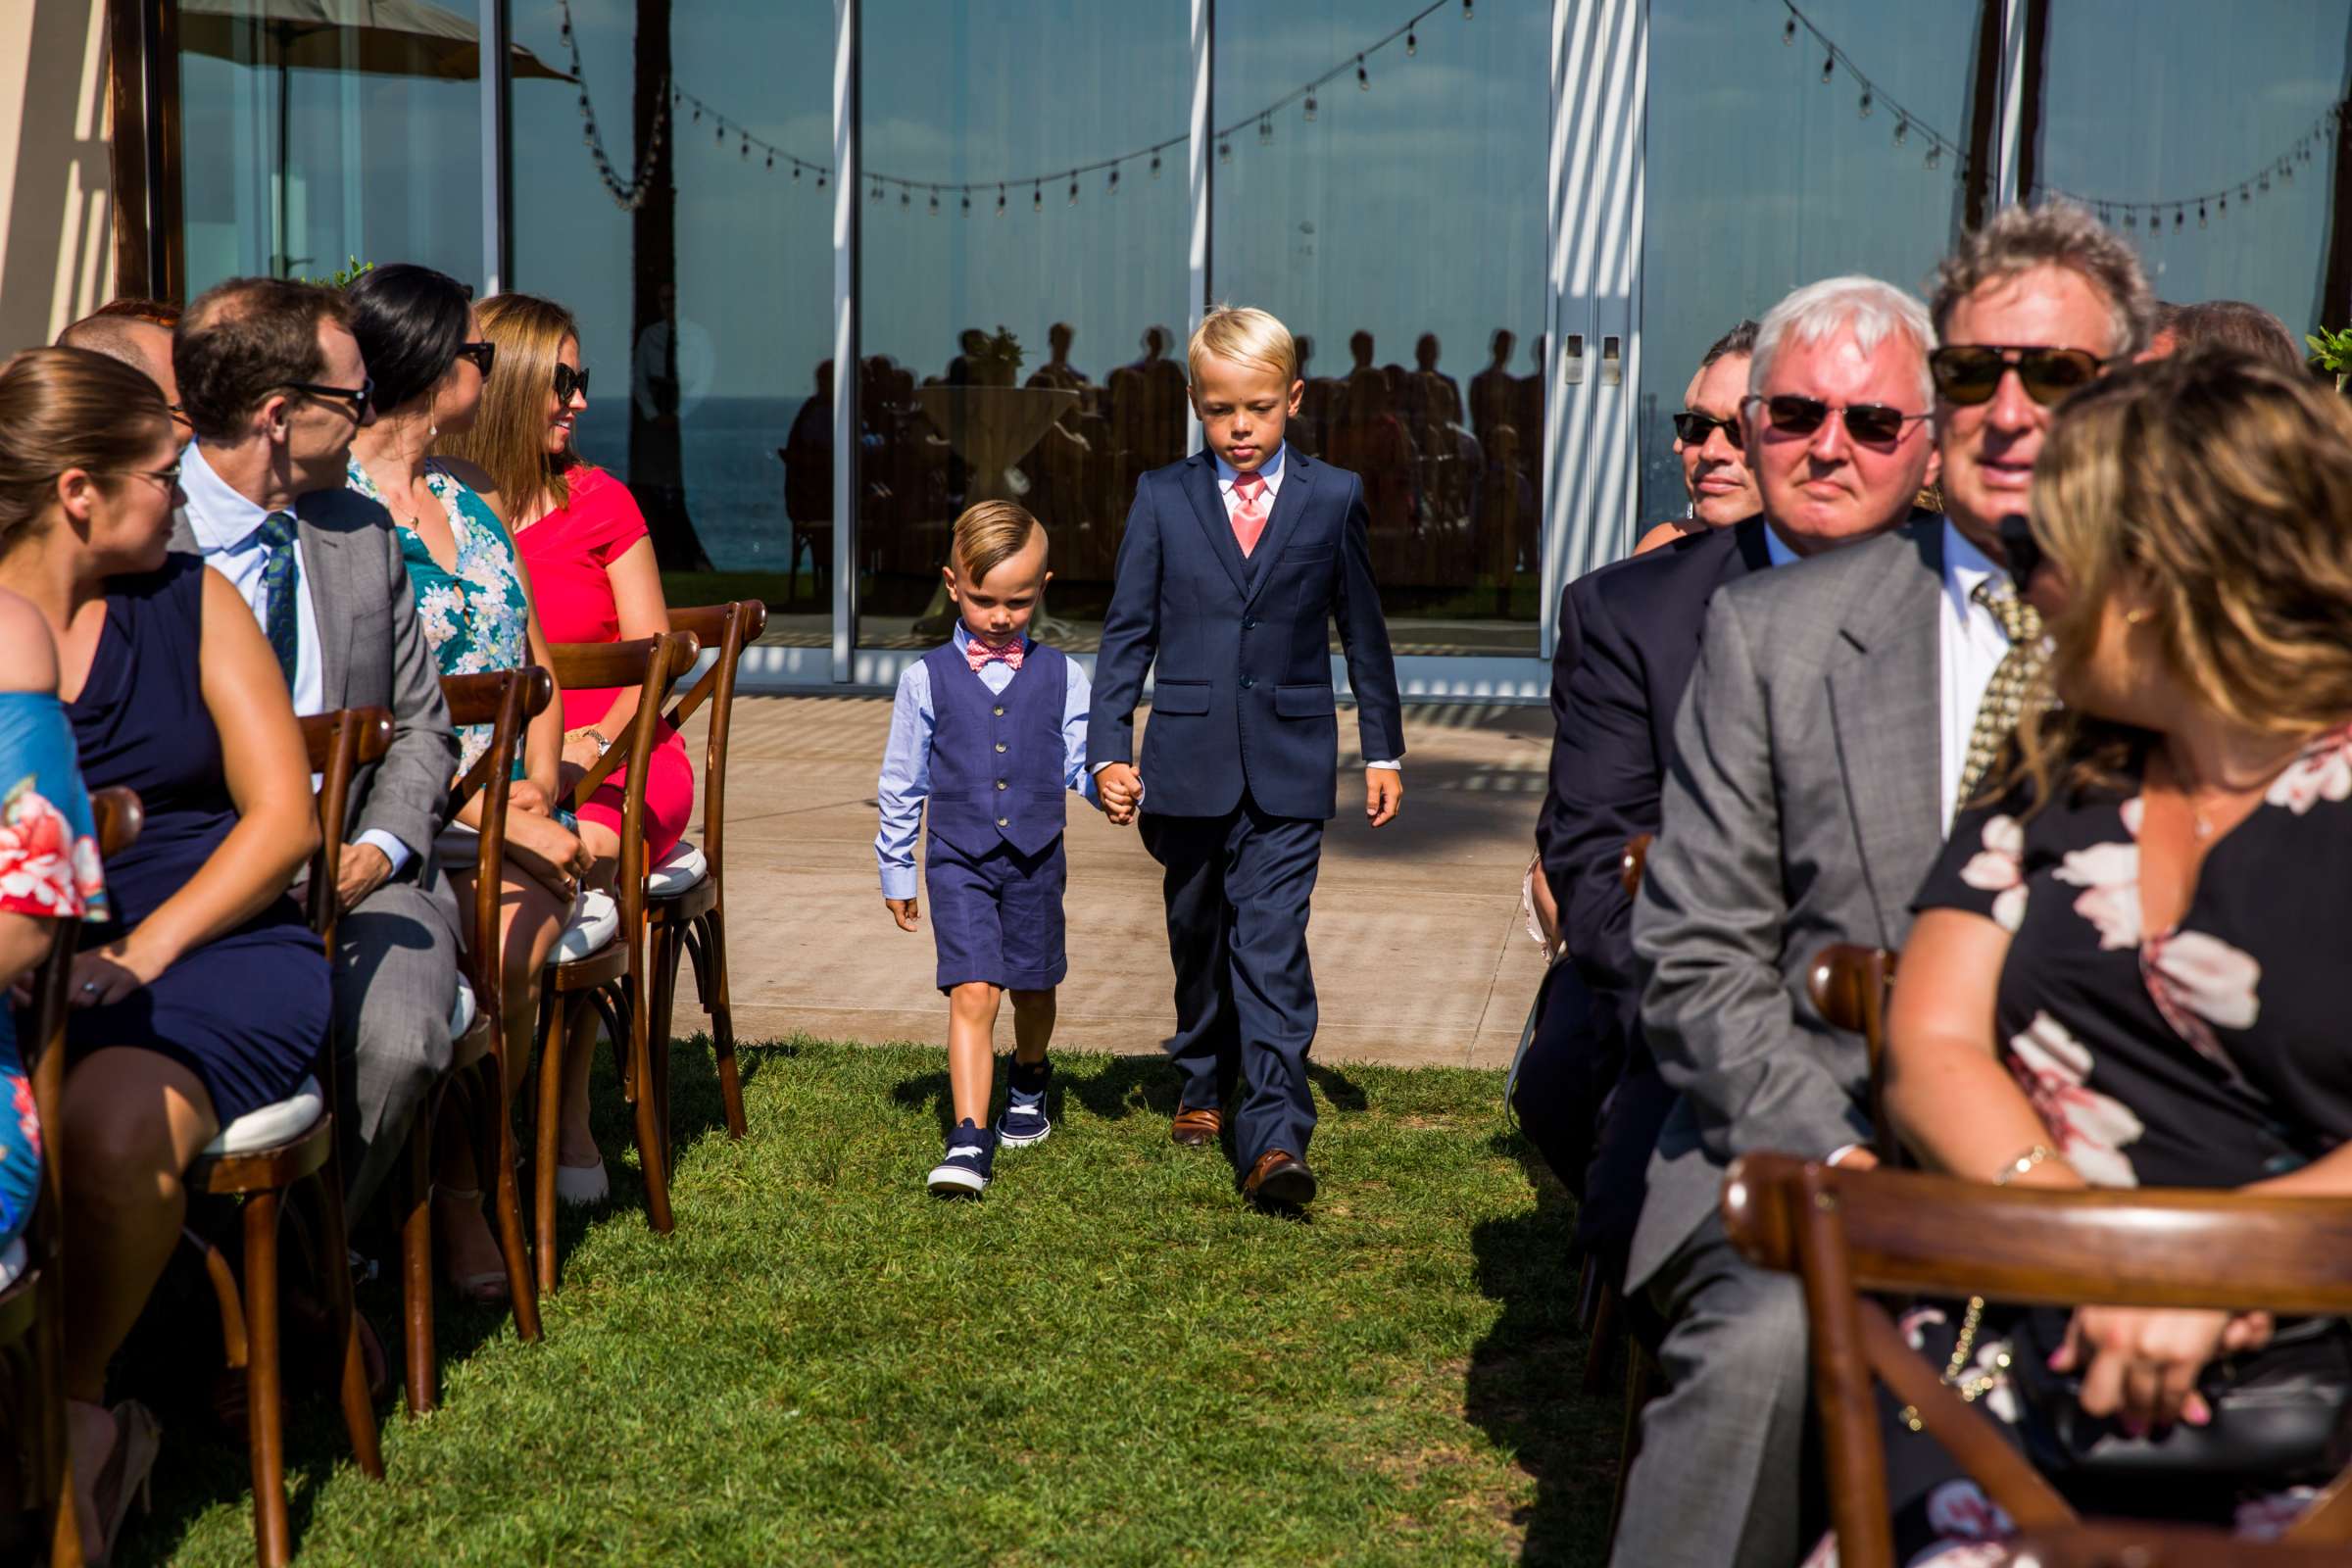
[(210, 998)]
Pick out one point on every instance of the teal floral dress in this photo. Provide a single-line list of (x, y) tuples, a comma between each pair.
[(48, 869), (476, 618)]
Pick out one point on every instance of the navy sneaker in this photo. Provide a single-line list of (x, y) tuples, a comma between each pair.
[(1024, 1121), (964, 1170)]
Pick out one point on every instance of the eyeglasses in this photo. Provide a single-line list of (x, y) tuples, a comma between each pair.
[(168, 478), (356, 399), (570, 382), (1871, 424), (1969, 374), (1695, 427), (481, 355), (2021, 548), (179, 415)]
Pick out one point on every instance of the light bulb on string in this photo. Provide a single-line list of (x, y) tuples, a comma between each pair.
[(1363, 78), (2224, 209), (1000, 201), (1225, 152), (1863, 108), (720, 133), (2201, 214), (1112, 184), (771, 162), (2266, 182), (1156, 166), (1412, 43), (934, 201), (1037, 198), (1829, 68), (967, 203), (1467, 12), (1265, 131), (1936, 155), (795, 169), (1073, 188), (905, 200), (2180, 218), (1311, 106), (746, 151), (820, 179), (1788, 33), (1902, 131)]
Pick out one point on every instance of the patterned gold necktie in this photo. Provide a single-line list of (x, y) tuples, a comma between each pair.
[(2005, 694)]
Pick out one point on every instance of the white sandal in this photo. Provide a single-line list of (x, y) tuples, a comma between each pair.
[(583, 1184)]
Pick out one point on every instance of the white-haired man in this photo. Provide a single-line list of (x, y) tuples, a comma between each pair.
[(1814, 688)]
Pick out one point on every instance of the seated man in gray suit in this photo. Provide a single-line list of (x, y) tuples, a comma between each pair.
[(272, 381), (1839, 712)]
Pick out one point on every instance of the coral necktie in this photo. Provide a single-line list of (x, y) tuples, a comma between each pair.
[(1249, 510)]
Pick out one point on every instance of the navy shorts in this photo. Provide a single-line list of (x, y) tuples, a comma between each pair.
[(998, 917)]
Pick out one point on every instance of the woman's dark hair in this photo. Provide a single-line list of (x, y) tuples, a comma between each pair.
[(64, 409), (411, 323)]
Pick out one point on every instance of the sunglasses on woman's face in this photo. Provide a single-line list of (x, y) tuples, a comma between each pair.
[(1871, 424), (481, 356), (570, 382), (2022, 550), (1970, 373), (1693, 428)]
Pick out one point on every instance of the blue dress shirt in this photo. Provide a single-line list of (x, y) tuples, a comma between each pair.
[(227, 528), (907, 761)]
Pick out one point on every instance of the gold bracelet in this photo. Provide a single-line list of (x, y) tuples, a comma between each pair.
[(2037, 1155)]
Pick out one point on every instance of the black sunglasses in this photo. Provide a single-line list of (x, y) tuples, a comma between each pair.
[(569, 381), (1969, 374), (2022, 550), (355, 399), (1695, 427), (1871, 424), (481, 355)]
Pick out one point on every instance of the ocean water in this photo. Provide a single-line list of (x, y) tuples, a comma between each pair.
[(734, 481)]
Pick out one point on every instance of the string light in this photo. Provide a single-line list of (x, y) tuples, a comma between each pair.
[(935, 201), (1073, 188), (628, 195), (1935, 156), (1224, 152), (1363, 78), (1112, 184), (1412, 44), (1829, 68), (1265, 131), (1311, 106), (1000, 201), (1156, 166), (1788, 33), (1902, 130), (1036, 198), (1864, 105)]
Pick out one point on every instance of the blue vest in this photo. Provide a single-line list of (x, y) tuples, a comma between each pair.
[(996, 760)]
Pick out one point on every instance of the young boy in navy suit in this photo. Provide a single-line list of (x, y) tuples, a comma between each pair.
[(989, 729), (1233, 561)]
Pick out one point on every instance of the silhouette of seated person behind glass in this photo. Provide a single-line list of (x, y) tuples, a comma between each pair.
[(1494, 392), (808, 457), (1372, 443)]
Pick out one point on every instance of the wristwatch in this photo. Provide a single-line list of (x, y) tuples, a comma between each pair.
[(597, 735)]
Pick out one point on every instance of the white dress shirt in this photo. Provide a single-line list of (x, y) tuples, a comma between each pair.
[(1972, 646), (227, 528)]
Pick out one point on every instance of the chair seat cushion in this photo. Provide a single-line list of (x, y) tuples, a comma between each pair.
[(681, 868), (595, 921), (461, 1011), (273, 1124)]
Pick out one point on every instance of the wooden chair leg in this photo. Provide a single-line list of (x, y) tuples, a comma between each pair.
[(507, 1194), (636, 1036), (667, 950), (358, 1409), (1602, 1344), (417, 1269), (549, 1133), (264, 1412), (711, 980)]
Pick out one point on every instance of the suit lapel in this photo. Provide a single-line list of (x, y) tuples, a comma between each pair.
[(1200, 488), (1290, 503), (322, 550), (1885, 702)]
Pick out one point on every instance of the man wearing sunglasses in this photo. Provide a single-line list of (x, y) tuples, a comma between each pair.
[(1707, 439), (276, 386)]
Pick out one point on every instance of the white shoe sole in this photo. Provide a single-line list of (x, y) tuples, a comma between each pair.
[(954, 1180), (1006, 1140)]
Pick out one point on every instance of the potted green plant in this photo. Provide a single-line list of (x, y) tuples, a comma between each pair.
[(2332, 351)]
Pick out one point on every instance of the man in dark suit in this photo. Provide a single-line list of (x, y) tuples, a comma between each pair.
[(276, 386), (1234, 564)]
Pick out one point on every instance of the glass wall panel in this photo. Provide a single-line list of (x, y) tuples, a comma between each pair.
[(1761, 175), (2151, 99), (1395, 220), (706, 334), (1022, 287), (309, 143)]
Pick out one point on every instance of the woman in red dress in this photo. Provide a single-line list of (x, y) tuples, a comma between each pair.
[(593, 580)]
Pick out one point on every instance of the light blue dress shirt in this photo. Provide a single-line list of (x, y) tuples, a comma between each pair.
[(907, 761), (227, 528)]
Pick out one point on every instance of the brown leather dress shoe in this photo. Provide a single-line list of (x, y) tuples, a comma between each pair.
[(1280, 1178), (1197, 1128)]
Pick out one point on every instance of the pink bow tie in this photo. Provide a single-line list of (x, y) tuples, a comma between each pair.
[(977, 653)]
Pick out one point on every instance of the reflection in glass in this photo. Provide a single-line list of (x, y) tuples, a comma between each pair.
[(1021, 287), (311, 143), (1394, 219), (705, 317), (1761, 176)]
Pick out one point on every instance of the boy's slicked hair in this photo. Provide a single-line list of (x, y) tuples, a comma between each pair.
[(990, 534), (1245, 336)]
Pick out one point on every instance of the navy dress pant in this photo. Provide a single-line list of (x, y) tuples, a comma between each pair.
[(1238, 888)]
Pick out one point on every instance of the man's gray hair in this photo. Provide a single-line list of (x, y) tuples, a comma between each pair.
[(2057, 234), (1871, 310)]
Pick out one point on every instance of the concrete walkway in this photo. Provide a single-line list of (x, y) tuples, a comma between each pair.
[(1420, 955)]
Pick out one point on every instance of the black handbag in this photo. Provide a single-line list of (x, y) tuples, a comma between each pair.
[(2280, 1414)]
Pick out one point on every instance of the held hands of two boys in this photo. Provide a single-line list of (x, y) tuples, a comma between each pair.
[(905, 911), (1120, 786)]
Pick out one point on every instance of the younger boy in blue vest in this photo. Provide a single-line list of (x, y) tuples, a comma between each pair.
[(989, 730)]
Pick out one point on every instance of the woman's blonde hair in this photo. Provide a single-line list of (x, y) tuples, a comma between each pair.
[(2220, 487), (509, 438)]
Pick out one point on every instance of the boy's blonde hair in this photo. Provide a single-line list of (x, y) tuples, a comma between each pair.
[(990, 534), (1245, 336)]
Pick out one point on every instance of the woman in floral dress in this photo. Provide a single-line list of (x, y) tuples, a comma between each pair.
[(2126, 971), (428, 360)]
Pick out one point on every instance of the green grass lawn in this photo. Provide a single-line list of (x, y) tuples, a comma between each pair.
[(1106, 1360)]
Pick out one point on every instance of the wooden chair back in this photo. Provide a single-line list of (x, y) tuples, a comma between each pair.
[(1849, 1232), (651, 664), (729, 629), (340, 743), (1849, 985), (506, 699)]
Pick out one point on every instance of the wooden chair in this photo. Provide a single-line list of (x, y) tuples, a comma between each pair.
[(1849, 985), (612, 978), (263, 1155), (32, 1308), (685, 897), (506, 700), (1849, 1232), (2107, 1546)]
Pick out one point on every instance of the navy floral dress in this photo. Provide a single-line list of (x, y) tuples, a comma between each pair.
[(2208, 1055)]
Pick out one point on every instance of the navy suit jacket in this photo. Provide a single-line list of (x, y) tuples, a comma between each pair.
[(1243, 698)]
